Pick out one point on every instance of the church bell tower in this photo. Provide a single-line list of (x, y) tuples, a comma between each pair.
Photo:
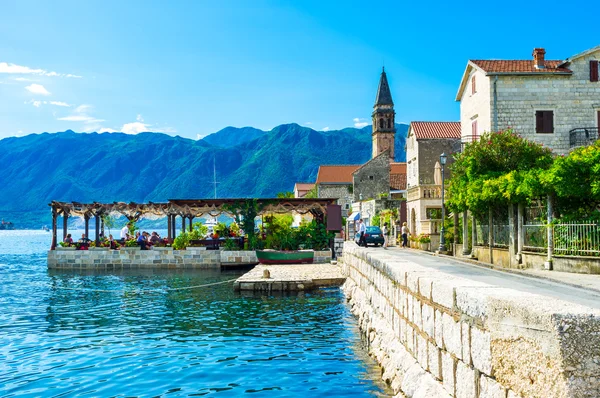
[(384, 128)]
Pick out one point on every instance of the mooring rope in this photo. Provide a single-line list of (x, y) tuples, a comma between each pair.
[(167, 289)]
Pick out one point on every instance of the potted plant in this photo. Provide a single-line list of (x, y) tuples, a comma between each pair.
[(424, 240), (130, 244), (65, 246)]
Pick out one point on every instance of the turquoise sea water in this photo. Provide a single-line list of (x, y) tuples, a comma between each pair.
[(135, 334)]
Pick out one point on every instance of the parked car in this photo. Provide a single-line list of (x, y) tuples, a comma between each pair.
[(373, 236)]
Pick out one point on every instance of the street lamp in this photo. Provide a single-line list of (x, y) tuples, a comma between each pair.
[(442, 247)]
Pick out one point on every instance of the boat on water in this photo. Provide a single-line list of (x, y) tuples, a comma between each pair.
[(7, 225), (45, 228), (284, 257)]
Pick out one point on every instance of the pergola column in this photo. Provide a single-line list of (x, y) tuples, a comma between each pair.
[(65, 221), (54, 237), (168, 226), (87, 226), (97, 217), (191, 219), (182, 223)]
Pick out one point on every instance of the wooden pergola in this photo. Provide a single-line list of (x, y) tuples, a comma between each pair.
[(185, 209)]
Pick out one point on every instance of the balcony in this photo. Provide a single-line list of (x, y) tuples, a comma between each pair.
[(459, 144), (425, 191), (583, 136)]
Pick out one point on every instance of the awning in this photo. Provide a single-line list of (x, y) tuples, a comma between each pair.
[(354, 216)]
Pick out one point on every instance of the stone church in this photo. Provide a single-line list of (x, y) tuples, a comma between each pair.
[(380, 177)]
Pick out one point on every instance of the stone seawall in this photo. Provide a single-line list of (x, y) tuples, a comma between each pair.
[(159, 257), (437, 335)]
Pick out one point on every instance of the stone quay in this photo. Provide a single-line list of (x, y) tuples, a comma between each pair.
[(437, 334)]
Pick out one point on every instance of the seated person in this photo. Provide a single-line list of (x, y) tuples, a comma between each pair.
[(142, 240), (69, 240), (112, 243), (154, 239), (83, 243)]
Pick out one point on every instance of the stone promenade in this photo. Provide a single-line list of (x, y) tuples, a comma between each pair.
[(443, 328)]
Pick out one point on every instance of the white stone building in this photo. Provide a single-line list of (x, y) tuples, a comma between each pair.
[(553, 102), (425, 143)]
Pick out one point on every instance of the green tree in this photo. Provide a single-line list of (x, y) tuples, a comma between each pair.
[(286, 194), (498, 169)]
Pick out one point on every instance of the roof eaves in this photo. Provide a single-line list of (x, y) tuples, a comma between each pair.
[(581, 54), (463, 81)]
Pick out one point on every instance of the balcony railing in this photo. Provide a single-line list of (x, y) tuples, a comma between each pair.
[(583, 136), (425, 191), (459, 144)]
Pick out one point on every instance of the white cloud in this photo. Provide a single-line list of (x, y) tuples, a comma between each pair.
[(80, 114), (25, 70), (80, 118), (139, 118), (359, 123), (37, 89), (134, 128), (325, 129), (59, 103), (36, 103)]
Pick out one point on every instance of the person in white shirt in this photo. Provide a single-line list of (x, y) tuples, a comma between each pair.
[(124, 232), (361, 230)]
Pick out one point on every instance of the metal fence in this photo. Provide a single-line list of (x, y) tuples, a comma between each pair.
[(535, 237), (575, 238), (501, 235)]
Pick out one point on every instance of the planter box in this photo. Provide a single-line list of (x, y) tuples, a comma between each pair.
[(281, 257), (99, 249), (69, 248), (424, 246), (162, 249), (195, 248)]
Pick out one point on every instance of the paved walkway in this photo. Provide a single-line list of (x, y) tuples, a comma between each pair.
[(576, 291), (291, 277)]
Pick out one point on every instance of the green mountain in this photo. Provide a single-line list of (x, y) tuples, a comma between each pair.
[(69, 166), (232, 136)]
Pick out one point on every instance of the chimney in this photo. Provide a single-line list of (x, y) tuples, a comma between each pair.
[(538, 58)]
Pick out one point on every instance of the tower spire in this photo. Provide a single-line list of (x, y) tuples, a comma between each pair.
[(384, 96)]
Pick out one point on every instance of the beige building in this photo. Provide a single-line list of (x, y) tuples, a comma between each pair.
[(553, 102), (425, 143)]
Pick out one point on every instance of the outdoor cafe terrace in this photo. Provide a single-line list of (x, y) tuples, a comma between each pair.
[(185, 209)]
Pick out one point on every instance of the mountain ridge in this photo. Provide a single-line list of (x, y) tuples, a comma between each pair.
[(107, 167)]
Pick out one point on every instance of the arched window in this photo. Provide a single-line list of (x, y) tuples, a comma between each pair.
[(380, 123), (389, 123)]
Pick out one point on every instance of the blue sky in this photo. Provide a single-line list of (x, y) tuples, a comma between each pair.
[(190, 68)]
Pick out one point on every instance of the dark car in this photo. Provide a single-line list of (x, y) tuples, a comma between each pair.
[(373, 236)]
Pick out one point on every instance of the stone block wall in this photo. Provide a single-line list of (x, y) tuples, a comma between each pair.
[(373, 178), (340, 191), (437, 335), (160, 257), (132, 259)]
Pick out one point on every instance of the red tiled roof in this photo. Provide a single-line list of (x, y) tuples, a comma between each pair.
[(398, 176), (398, 181), (304, 186), (336, 174), (426, 130), (518, 66)]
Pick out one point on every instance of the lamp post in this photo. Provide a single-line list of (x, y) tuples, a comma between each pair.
[(442, 247)]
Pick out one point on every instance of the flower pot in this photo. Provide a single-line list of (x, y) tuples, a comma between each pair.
[(424, 246)]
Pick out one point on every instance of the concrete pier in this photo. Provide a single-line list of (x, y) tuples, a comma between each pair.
[(290, 277)]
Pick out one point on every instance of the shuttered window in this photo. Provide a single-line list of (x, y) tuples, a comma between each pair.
[(473, 87), (593, 71), (544, 122), (474, 130)]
